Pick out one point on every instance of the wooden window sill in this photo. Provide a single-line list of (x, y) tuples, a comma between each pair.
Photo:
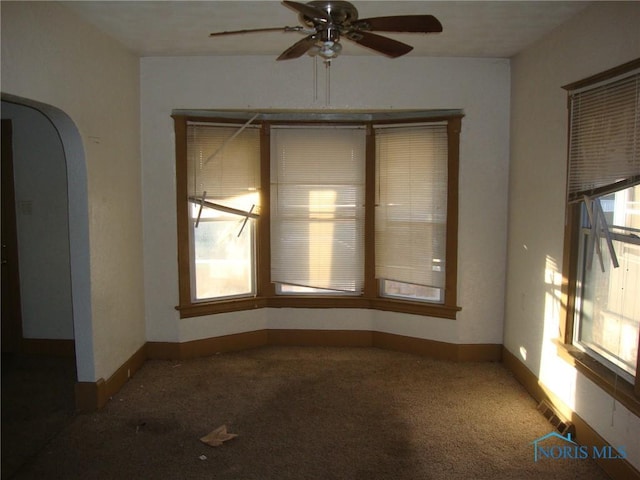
[(613, 384), (221, 306), (285, 301)]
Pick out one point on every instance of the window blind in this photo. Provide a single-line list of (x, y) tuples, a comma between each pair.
[(227, 168), (317, 207), (223, 187), (604, 137), (411, 204)]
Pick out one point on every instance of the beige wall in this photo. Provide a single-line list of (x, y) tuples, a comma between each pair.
[(603, 36), (51, 57)]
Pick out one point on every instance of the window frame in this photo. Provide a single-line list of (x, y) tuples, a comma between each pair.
[(387, 191), (266, 295), (350, 142), (616, 385), (203, 204)]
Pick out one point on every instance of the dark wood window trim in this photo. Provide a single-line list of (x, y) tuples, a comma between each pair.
[(266, 295), (619, 388)]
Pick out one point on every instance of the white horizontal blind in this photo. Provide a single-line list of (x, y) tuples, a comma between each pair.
[(317, 207), (411, 205), (226, 168), (604, 141)]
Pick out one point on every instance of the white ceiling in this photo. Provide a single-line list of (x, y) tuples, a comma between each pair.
[(470, 29)]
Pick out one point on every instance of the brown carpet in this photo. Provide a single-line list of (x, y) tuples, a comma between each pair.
[(310, 413)]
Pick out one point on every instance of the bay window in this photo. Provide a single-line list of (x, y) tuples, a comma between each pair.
[(317, 210)]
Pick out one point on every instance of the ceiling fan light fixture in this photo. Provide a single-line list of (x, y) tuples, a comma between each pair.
[(330, 49)]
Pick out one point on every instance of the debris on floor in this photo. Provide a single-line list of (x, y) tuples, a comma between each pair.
[(218, 436)]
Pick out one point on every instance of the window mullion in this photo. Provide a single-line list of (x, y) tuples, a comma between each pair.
[(454, 126), (370, 282), (265, 286), (183, 213)]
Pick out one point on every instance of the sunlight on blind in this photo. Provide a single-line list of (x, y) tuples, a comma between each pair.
[(231, 177), (411, 204), (604, 144), (317, 207)]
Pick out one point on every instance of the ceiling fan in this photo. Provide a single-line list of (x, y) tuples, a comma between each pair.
[(327, 21)]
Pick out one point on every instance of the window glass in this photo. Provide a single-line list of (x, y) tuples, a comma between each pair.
[(608, 314), (390, 288), (223, 258)]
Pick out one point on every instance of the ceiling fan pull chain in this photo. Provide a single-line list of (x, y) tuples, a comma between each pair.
[(327, 64), (315, 78)]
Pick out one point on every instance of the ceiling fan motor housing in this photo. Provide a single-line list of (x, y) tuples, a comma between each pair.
[(342, 13)]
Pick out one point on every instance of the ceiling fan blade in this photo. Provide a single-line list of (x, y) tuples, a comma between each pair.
[(253, 30), (310, 11), (387, 46), (299, 48), (400, 23)]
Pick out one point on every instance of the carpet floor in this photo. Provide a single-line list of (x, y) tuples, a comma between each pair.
[(309, 413)]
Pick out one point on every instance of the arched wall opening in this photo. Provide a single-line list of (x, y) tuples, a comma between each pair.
[(78, 231)]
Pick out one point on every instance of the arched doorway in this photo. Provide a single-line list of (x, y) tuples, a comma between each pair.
[(50, 344), (78, 230)]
